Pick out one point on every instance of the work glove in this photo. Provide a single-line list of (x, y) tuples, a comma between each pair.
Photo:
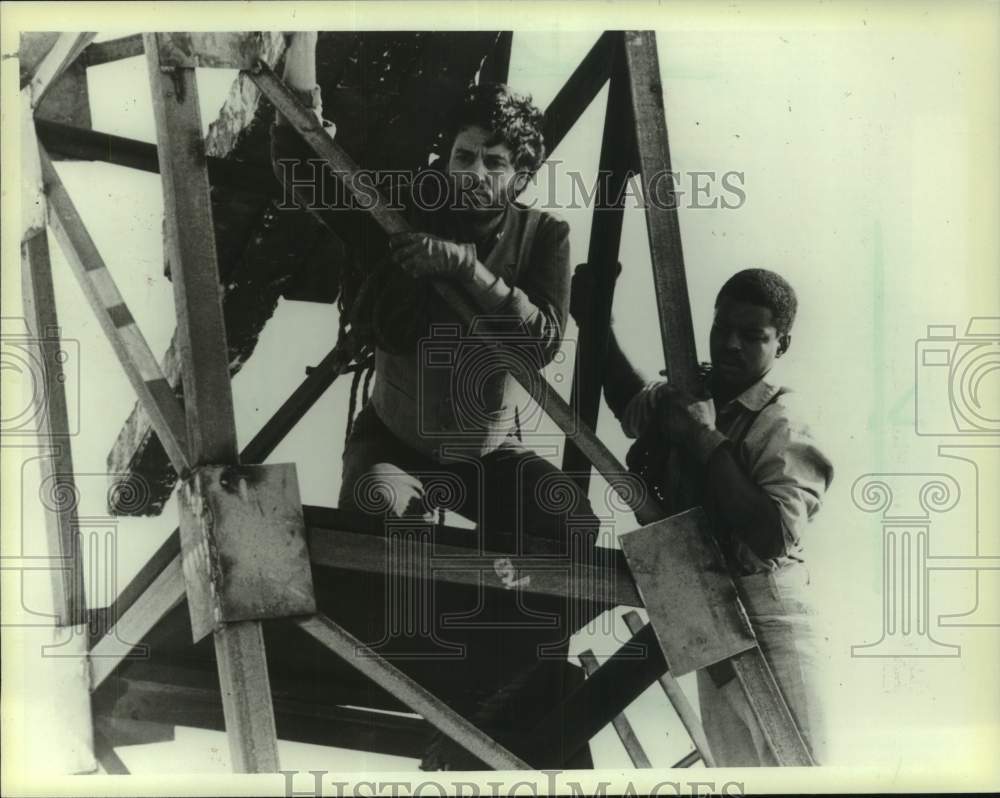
[(426, 255)]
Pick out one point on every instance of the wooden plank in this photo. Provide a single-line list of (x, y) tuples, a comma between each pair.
[(683, 708), (54, 435), (687, 591), (208, 395), (663, 228), (164, 593), (616, 161), (579, 90), (63, 53), (607, 693), (622, 727), (390, 678), (98, 53), (120, 328)]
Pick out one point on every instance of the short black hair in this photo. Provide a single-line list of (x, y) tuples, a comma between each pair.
[(767, 289), (514, 120)]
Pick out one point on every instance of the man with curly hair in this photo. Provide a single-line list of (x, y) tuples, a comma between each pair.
[(443, 408)]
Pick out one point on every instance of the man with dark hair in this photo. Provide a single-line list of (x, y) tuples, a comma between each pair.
[(443, 410), (744, 453)]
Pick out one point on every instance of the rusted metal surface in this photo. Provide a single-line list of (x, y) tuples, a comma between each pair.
[(243, 545), (687, 591), (662, 225), (211, 425), (769, 708)]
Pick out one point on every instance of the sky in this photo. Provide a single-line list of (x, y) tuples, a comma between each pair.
[(867, 184)]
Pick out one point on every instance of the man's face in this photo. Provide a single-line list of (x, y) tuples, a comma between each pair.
[(485, 175), (744, 344)]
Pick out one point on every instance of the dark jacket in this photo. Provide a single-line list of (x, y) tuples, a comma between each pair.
[(448, 388)]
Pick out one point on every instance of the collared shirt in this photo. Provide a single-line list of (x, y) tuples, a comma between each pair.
[(439, 391), (771, 441), (774, 444)]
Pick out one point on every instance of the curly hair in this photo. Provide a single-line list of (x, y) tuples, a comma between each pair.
[(767, 289), (513, 119)]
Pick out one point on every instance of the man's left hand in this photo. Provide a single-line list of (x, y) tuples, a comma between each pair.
[(425, 255), (687, 421)]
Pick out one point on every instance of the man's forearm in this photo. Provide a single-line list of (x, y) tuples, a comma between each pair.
[(488, 291), (743, 505), (622, 381)]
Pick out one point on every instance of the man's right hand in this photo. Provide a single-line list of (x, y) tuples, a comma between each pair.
[(641, 411)]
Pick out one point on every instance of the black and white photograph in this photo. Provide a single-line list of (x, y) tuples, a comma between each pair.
[(500, 398)]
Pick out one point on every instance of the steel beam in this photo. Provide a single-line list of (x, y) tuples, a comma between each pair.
[(390, 678), (119, 326), (616, 165), (208, 403), (621, 725), (683, 708), (663, 228)]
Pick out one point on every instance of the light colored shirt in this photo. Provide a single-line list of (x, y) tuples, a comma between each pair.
[(772, 442)]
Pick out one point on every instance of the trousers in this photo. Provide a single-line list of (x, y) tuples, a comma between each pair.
[(511, 493), (784, 618), (516, 651)]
